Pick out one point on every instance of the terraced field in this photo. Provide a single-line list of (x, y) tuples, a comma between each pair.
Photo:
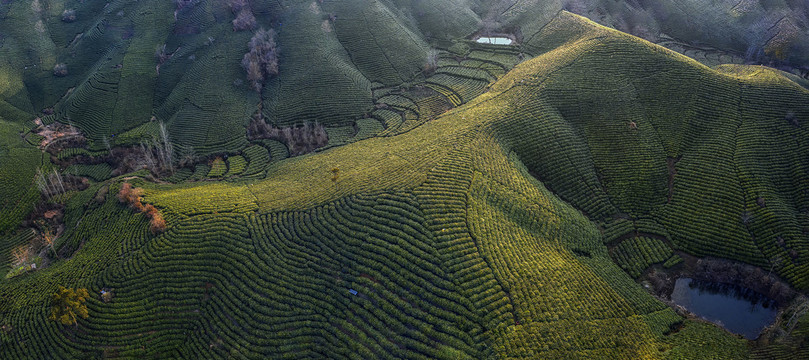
[(500, 204), (19, 165)]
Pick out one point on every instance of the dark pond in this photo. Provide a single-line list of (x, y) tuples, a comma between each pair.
[(740, 310)]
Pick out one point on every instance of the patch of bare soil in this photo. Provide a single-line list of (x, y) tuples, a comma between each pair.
[(58, 136)]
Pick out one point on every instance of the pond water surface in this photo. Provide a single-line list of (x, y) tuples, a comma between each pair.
[(735, 308), (494, 40)]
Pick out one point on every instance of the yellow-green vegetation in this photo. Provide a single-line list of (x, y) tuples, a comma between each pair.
[(592, 158), (218, 168), (699, 340), (68, 305), (482, 233), (636, 254), (236, 165)]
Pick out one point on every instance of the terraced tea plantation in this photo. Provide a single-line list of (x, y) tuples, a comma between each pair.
[(453, 199)]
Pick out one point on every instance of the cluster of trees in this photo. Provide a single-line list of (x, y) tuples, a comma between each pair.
[(60, 70), (300, 139), (68, 305), (132, 196), (50, 183), (161, 55), (431, 64), (155, 154), (754, 278), (69, 15), (158, 154), (261, 62), (245, 20), (764, 32), (53, 183)]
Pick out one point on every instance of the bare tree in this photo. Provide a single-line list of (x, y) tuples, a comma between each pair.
[(261, 62), (245, 20), (60, 70), (299, 139), (187, 156), (237, 6), (160, 54), (69, 15), (431, 63), (158, 153), (166, 151), (50, 184)]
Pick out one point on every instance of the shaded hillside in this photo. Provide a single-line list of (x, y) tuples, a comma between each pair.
[(480, 234), (115, 77), (749, 31)]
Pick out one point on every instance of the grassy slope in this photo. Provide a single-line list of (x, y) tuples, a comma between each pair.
[(441, 20), (721, 125), (198, 92), (303, 90), (18, 159), (452, 245), (19, 162), (113, 87)]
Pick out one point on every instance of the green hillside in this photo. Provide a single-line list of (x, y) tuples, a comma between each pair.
[(114, 81), (472, 201)]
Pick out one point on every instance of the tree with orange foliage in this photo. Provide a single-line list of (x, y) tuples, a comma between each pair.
[(157, 224), (132, 196)]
